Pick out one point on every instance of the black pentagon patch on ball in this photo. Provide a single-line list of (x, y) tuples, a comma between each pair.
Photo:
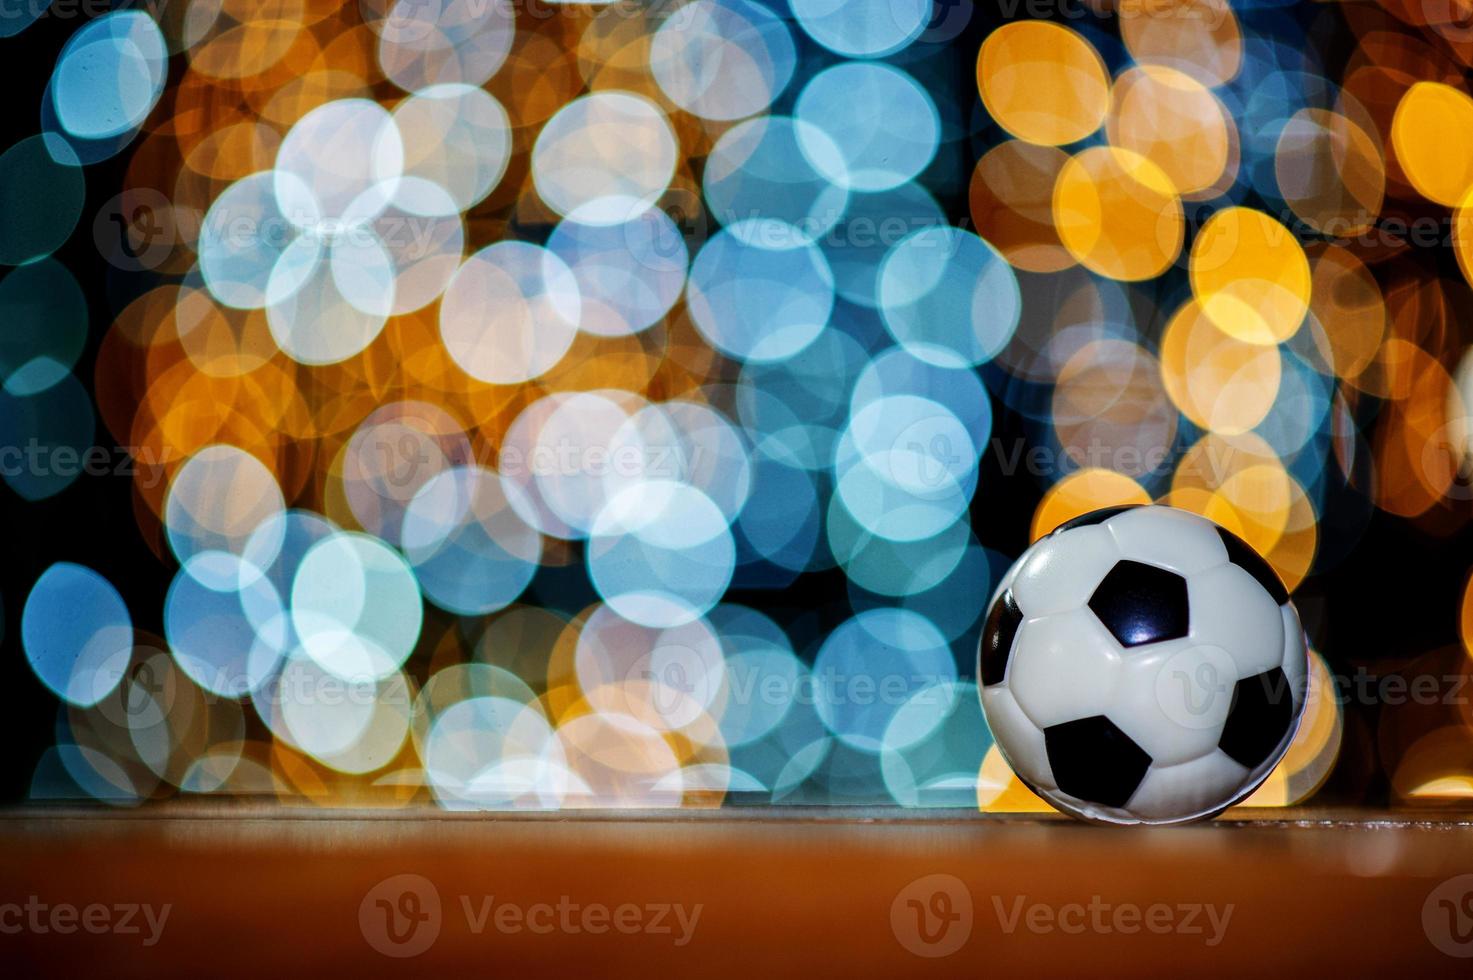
[(997, 638), (1241, 553), (1093, 517), (1140, 603), (1258, 719), (1092, 760)]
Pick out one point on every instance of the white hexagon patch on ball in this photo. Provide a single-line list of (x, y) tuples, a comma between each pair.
[(1142, 665)]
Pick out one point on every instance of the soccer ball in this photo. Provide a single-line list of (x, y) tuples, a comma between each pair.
[(1142, 665)]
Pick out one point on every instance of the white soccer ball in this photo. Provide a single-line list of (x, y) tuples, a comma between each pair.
[(1142, 665)]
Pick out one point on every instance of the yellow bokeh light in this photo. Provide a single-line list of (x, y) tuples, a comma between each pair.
[(1260, 497), (1238, 482), (1417, 462), (1199, 37), (1465, 617), (243, 39), (1174, 121), (1081, 492), (1432, 135), (1456, 787), (1043, 82), (1347, 301), (1118, 214), (1221, 383), (1250, 276), (1294, 551), (1000, 791), (1434, 767), (1463, 236)]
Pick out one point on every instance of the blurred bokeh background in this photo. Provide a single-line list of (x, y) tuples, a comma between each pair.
[(495, 404)]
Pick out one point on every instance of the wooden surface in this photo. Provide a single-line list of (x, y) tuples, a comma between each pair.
[(269, 893)]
